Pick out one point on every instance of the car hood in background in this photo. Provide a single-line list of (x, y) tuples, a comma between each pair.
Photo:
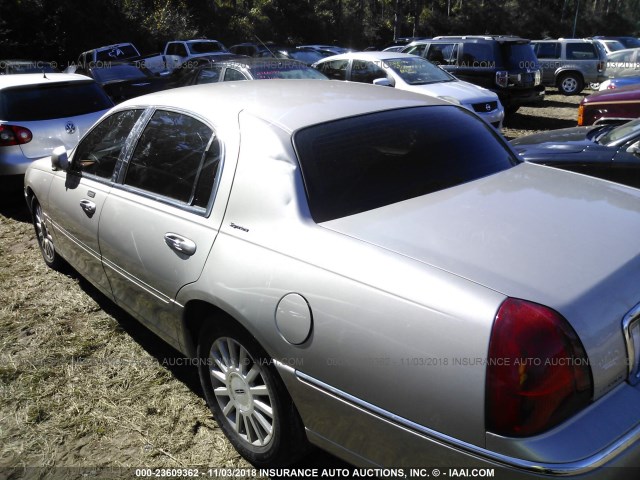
[(465, 93), (531, 232), (49, 134), (566, 140)]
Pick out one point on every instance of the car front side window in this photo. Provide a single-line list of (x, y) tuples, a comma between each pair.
[(547, 50), (98, 153), (177, 157)]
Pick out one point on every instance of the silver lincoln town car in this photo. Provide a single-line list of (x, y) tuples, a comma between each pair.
[(367, 270)]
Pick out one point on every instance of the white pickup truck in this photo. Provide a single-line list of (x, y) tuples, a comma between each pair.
[(175, 54)]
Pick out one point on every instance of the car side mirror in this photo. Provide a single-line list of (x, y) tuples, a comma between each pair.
[(60, 159), (383, 82)]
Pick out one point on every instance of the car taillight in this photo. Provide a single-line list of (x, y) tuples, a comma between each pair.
[(502, 78), (537, 370), (14, 135), (538, 78), (611, 86), (580, 115), (601, 66)]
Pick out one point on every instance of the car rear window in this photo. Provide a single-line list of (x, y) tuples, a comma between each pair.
[(520, 55), (288, 70), (366, 162), (58, 100)]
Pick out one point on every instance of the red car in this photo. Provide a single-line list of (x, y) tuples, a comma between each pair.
[(610, 106)]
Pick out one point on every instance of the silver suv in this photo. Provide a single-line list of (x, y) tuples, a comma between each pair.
[(570, 64)]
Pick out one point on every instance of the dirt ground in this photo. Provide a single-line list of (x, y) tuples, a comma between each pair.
[(86, 392)]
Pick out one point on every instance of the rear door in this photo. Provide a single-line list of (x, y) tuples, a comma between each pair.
[(155, 230)]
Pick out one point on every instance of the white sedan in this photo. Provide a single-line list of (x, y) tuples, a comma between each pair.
[(414, 74)]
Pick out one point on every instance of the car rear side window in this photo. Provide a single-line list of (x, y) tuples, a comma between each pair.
[(581, 51), (362, 163), (56, 100), (177, 157), (335, 70), (443, 53), (98, 153)]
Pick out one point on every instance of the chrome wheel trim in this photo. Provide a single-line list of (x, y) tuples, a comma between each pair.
[(242, 392), (569, 84), (44, 238)]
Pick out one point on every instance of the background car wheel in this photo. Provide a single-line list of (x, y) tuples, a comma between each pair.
[(248, 399), (570, 84), (594, 86), (45, 241)]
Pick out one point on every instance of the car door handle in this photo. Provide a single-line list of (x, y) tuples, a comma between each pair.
[(180, 244), (88, 206)]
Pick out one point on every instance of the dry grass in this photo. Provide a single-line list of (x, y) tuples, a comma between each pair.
[(82, 384)]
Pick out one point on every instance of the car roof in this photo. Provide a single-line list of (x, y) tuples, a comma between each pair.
[(7, 81), (290, 104)]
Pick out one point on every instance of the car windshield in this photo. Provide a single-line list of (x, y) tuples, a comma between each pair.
[(276, 69), (205, 47), (361, 163), (44, 102), (117, 52), (618, 133), (118, 72), (417, 71)]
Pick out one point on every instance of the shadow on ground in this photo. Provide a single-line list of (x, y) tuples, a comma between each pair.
[(12, 204), (173, 361)]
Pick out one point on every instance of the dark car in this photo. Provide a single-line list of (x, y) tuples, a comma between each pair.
[(251, 69), (505, 65), (605, 151), (123, 80), (610, 106)]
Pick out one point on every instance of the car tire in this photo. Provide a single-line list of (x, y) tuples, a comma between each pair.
[(570, 83), (45, 241), (248, 398)]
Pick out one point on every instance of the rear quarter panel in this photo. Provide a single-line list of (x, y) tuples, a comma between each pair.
[(403, 336)]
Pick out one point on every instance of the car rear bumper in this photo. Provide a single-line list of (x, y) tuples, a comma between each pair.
[(13, 161), (600, 442)]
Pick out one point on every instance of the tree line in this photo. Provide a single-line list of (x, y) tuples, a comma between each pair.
[(61, 29)]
